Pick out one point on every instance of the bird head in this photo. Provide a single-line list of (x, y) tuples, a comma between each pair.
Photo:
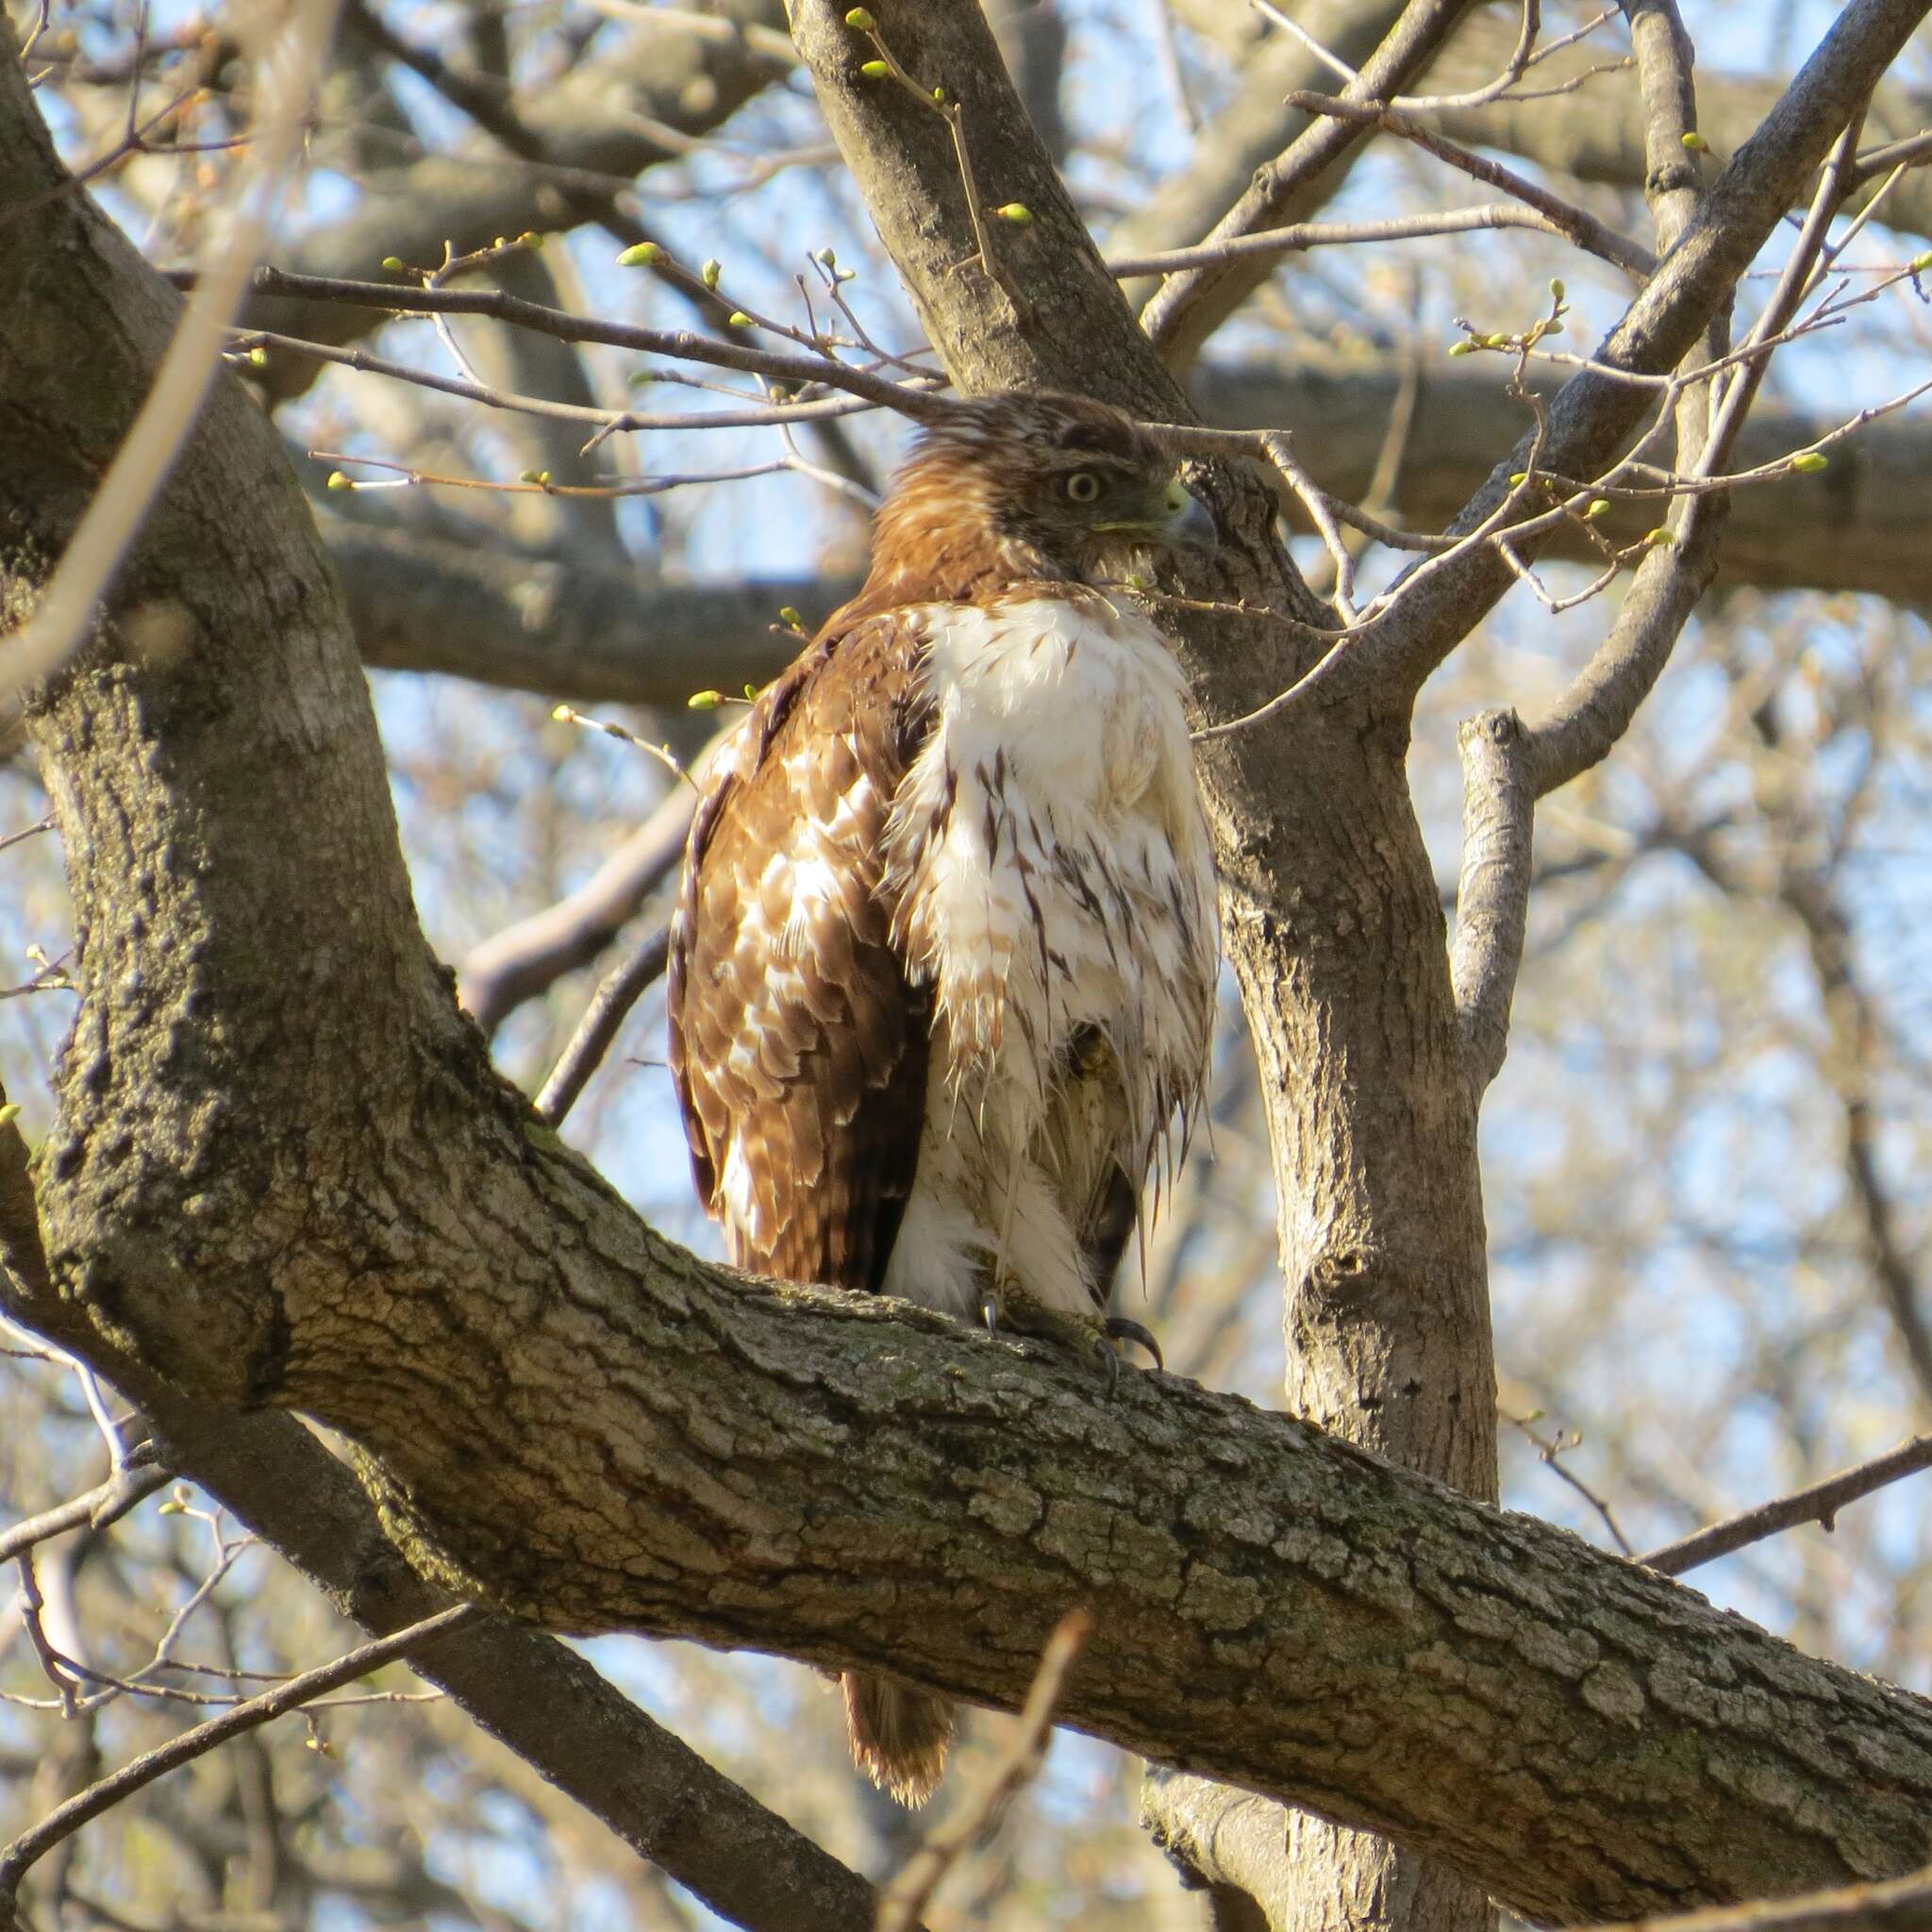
[(1026, 486)]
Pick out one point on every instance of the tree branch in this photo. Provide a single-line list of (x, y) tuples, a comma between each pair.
[(1820, 1503)]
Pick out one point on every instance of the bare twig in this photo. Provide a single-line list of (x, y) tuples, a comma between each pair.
[(105, 1792), (1817, 1504), (1550, 1452), (107, 1502), (606, 1013), (907, 1896), (519, 962), (909, 398), (1305, 235), (1593, 236)]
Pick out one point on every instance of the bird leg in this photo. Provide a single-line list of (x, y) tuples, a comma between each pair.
[(1008, 1306)]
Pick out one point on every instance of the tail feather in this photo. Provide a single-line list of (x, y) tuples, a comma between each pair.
[(899, 1734)]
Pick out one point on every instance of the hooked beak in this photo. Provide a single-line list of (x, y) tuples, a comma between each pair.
[(1187, 520)]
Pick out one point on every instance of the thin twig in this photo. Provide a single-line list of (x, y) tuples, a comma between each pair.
[(107, 1502), (1593, 236), (64, 1819), (606, 1013), (903, 1901), (1305, 235), (1818, 1504)]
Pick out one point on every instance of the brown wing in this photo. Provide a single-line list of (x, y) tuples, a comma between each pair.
[(798, 1047)]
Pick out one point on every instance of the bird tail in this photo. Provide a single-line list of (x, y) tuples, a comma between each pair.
[(899, 1734)]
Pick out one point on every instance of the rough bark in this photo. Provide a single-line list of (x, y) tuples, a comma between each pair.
[(527, 1690)]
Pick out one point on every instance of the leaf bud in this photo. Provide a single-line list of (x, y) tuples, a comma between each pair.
[(645, 255)]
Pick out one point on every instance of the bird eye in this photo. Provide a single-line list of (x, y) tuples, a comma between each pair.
[(1083, 486)]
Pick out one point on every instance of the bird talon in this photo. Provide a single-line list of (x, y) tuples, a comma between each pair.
[(1119, 1328), (1113, 1365), (990, 1313)]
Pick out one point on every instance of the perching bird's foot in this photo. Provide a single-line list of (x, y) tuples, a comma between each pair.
[(1119, 1328), (1020, 1315)]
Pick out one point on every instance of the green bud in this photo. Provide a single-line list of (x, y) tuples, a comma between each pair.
[(1556, 289), (1696, 143), (939, 93), (258, 358), (338, 481), (710, 271), (529, 239), (1920, 263), (1811, 462), (874, 70), (826, 258), (534, 477), (646, 255), (501, 241), (739, 319), (1016, 212), (1518, 477), (1599, 506), (704, 701), (9, 1113), (1652, 538), (1462, 348), (861, 19), (787, 616), (1554, 327), (395, 264)]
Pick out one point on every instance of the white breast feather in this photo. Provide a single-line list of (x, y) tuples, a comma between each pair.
[(1054, 874)]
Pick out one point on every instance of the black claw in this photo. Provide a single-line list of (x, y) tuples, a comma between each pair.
[(990, 1312), (1113, 1365), (1119, 1328)]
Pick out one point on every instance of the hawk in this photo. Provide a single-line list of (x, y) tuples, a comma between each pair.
[(942, 974)]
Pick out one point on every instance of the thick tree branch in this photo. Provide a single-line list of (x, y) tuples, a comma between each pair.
[(527, 1690), (571, 629)]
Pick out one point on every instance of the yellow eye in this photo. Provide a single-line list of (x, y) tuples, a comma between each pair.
[(1083, 486)]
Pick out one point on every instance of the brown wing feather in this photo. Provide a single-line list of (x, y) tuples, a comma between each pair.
[(798, 1047)]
